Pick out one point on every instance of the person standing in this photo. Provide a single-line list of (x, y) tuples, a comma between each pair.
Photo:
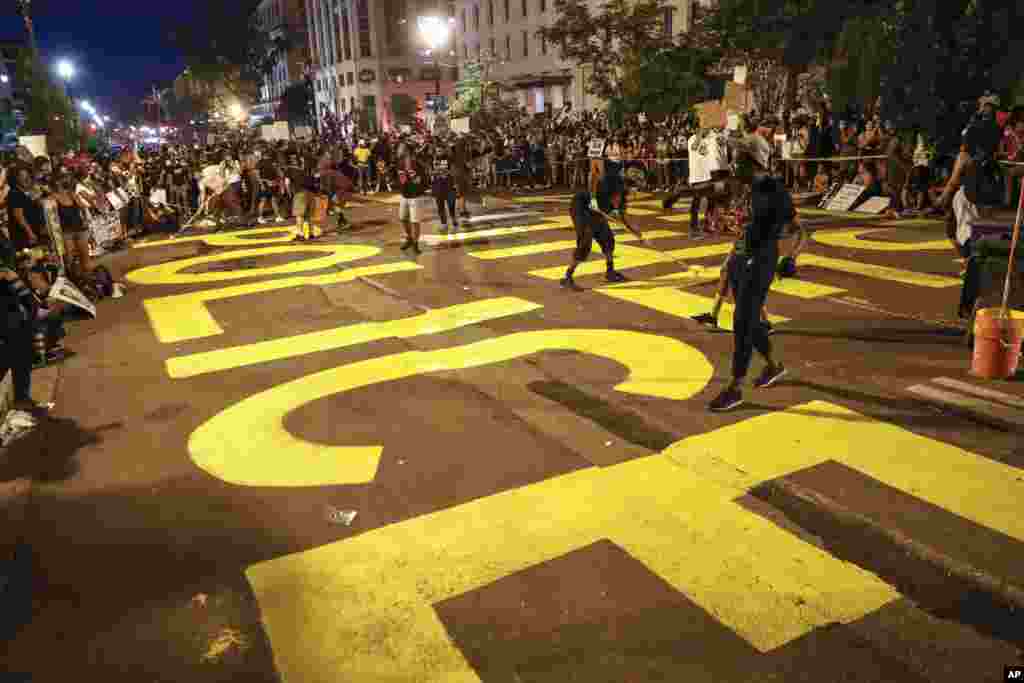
[(442, 186), (411, 186), (26, 221), (750, 276), (588, 213)]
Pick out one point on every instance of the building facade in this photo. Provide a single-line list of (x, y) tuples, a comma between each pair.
[(287, 20), (368, 54), (504, 33)]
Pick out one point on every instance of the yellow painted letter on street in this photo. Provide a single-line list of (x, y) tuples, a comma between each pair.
[(247, 443), (238, 238), (181, 317), (361, 609), (853, 239), (170, 273)]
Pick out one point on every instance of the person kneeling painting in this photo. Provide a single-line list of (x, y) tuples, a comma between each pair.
[(751, 272), (586, 213)]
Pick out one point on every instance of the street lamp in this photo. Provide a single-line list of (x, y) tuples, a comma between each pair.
[(66, 71), (435, 33)]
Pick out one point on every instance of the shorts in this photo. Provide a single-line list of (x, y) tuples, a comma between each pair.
[(461, 182), (587, 233), (405, 209)]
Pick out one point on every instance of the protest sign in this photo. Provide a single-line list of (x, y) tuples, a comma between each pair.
[(845, 198), (596, 148), (66, 292)]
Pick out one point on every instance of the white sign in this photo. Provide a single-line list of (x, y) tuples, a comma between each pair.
[(35, 144), (642, 117), (739, 74), (115, 200), (303, 132), (732, 121), (63, 290), (460, 125), (158, 197), (104, 228), (596, 148), (846, 197), (875, 205)]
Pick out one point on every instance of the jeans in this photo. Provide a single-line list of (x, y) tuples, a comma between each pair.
[(16, 356)]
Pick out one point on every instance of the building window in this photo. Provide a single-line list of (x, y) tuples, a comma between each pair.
[(508, 14), (476, 18), (494, 53), (350, 77), (465, 50), (525, 13), (526, 44), (490, 12), (479, 52), (464, 27), (508, 48), (543, 6), (363, 18), (668, 21), (543, 45)]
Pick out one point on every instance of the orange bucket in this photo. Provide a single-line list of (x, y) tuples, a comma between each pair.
[(997, 350)]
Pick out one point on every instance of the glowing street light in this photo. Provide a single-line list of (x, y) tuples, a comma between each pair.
[(435, 34), (65, 69)]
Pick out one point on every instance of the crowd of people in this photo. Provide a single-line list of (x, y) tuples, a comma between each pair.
[(61, 212)]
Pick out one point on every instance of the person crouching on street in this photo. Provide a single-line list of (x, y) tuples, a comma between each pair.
[(751, 272), (588, 213)]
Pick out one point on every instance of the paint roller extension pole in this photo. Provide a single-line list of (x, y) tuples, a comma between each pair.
[(1011, 266)]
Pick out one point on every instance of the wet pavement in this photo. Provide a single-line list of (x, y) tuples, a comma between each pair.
[(539, 491)]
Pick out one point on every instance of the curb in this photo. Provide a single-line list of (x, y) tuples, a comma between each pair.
[(838, 525)]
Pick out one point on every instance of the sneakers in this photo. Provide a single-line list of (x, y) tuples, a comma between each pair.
[(615, 276), (706, 319), (727, 400), (416, 248), (407, 244), (769, 376), (569, 283)]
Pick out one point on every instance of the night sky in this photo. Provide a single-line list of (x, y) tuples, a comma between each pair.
[(120, 49)]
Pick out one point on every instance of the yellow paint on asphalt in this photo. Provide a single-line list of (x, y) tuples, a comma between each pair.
[(238, 238), (561, 245), (363, 608), (461, 237), (170, 273), (675, 302), (247, 444), (678, 217), (907, 277), (182, 317), (625, 257), (430, 322), (853, 239), (802, 289)]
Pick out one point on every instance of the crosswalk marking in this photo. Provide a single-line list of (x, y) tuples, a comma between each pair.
[(431, 322), (675, 302), (561, 245), (182, 317)]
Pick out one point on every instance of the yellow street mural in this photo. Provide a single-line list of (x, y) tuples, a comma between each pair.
[(430, 322), (853, 239), (240, 238), (171, 273), (181, 317), (247, 443), (362, 608), (674, 301), (560, 245)]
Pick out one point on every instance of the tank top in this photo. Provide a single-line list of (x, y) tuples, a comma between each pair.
[(70, 219)]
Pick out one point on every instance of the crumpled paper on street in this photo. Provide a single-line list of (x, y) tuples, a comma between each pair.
[(227, 639)]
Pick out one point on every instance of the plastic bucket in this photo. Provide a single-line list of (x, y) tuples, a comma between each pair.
[(997, 344)]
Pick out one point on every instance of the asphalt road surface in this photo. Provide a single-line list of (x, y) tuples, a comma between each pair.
[(539, 491)]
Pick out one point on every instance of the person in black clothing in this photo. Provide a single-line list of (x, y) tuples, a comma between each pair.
[(586, 213), (26, 220), (442, 186), (411, 186), (750, 276), (17, 312)]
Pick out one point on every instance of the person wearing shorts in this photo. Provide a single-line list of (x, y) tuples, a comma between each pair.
[(411, 186), (588, 213)]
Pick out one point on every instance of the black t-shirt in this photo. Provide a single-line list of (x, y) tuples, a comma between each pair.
[(33, 211), (179, 175), (268, 170)]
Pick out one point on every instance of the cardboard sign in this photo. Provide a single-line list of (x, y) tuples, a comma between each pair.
[(53, 226), (460, 125), (596, 148), (105, 228), (66, 292), (739, 74), (846, 197), (35, 144), (732, 121), (158, 197), (875, 205)]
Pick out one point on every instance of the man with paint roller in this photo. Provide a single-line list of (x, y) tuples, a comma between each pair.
[(590, 213)]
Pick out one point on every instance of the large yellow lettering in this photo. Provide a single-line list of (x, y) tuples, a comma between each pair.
[(361, 609), (247, 443), (854, 239), (239, 238), (170, 273), (430, 322), (182, 317)]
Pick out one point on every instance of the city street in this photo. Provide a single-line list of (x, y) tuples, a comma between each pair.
[(540, 492)]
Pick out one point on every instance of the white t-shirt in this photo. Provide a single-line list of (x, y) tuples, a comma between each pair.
[(966, 215), (708, 154)]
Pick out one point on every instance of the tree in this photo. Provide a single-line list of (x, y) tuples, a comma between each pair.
[(296, 105), (611, 43), (669, 80), (48, 110)]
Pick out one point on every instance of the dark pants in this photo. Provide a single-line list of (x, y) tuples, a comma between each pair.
[(750, 279), (16, 356), (446, 205)]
